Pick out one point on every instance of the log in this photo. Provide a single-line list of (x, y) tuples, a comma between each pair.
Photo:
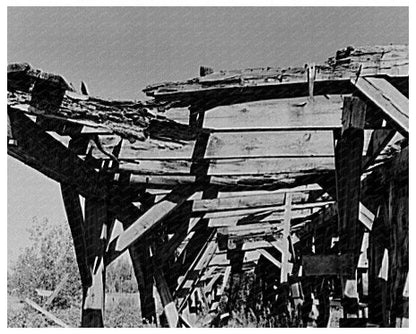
[(47, 314)]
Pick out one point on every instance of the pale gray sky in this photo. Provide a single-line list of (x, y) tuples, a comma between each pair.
[(118, 51)]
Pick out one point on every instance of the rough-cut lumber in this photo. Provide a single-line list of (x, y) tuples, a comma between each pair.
[(44, 153), (168, 303), (254, 245), (53, 98), (348, 154), (379, 139), (149, 219), (263, 144), (230, 183), (96, 229), (284, 242), (270, 257), (47, 314), (234, 166), (76, 224), (332, 77), (348, 161), (391, 101), (257, 200)]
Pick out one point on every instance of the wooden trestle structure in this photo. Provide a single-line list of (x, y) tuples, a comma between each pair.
[(299, 175)]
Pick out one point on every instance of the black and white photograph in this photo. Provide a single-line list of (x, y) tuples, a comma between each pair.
[(207, 166)]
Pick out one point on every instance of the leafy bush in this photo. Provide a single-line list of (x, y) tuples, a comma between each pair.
[(44, 263)]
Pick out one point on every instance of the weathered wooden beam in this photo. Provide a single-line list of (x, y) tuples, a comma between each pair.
[(254, 245), (391, 101), (148, 220), (379, 139), (348, 161), (47, 314), (143, 271), (44, 153), (270, 258), (96, 229), (191, 277), (233, 165), (229, 183), (333, 77), (225, 279), (168, 303), (76, 224), (348, 154)]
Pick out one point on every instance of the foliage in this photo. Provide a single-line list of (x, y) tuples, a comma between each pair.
[(44, 263)]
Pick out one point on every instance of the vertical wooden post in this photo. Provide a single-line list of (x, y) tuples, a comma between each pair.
[(143, 270), (76, 223), (348, 156), (96, 221), (170, 311), (284, 271)]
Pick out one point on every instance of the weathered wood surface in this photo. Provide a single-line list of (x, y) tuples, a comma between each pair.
[(133, 120), (148, 220), (391, 101), (46, 154), (238, 86), (276, 113), (47, 314)]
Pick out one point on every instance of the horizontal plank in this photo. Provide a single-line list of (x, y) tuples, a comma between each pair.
[(272, 217), (275, 166), (229, 183), (251, 230), (253, 245), (247, 201), (240, 166), (228, 87), (296, 112), (285, 143), (263, 211)]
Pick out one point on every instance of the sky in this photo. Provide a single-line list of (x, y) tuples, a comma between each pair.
[(117, 51)]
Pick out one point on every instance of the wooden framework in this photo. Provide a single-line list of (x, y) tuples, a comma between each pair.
[(232, 198)]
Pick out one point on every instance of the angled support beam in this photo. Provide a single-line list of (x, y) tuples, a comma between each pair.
[(47, 155), (393, 104), (379, 139), (168, 303), (270, 258), (148, 220), (144, 271), (191, 278)]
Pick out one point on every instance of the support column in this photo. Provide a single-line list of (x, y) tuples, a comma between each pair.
[(96, 223), (348, 156)]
